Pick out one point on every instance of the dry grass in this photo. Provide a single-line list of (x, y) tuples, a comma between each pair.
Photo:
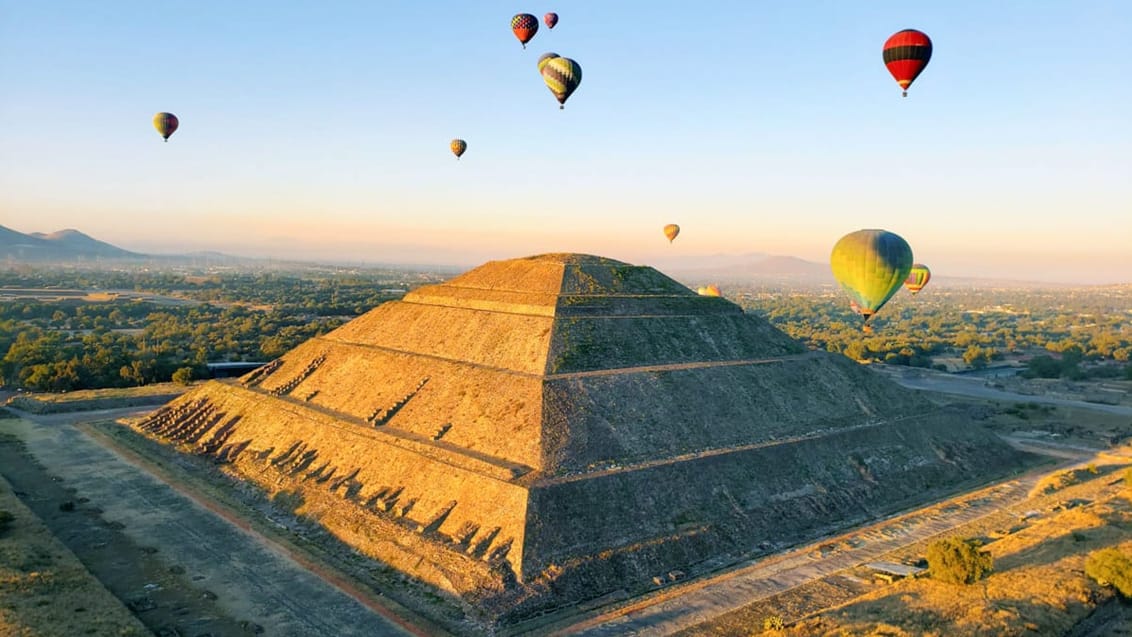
[(44, 589)]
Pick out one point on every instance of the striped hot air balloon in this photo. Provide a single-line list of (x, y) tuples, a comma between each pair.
[(562, 77), (524, 26), (166, 124), (906, 54), (542, 59), (458, 147), (918, 277), (871, 265)]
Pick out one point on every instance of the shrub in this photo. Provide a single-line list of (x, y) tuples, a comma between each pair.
[(1111, 567), (5, 520), (183, 375), (958, 561), (1092, 468), (774, 622)]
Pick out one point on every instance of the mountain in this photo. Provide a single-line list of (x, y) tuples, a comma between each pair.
[(746, 267), (64, 245)]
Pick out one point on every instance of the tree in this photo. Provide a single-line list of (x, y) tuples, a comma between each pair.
[(1111, 567), (958, 561), (183, 375)]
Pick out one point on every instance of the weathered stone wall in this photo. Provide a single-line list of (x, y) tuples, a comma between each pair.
[(778, 492), (592, 421), (465, 504)]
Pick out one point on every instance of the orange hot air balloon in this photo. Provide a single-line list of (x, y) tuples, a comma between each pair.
[(670, 231), (458, 147), (710, 289), (166, 124), (524, 26)]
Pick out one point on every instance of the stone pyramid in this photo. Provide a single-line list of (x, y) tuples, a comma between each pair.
[(567, 425)]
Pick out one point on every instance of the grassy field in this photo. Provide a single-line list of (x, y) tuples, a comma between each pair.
[(44, 590), (90, 399)]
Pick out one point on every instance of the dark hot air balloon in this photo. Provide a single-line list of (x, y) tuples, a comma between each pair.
[(562, 77), (906, 54), (550, 19), (458, 147), (524, 26), (166, 124)]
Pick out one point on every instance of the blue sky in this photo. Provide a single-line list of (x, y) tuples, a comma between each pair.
[(321, 130)]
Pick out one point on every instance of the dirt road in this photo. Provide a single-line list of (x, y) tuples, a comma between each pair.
[(182, 552)]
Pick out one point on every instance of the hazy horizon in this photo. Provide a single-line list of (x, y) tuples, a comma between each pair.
[(321, 132)]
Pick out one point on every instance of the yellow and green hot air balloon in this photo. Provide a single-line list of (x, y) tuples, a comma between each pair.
[(458, 147), (871, 265), (562, 77), (165, 123), (917, 278), (670, 231)]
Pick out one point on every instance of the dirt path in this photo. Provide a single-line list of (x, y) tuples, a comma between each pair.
[(179, 566), (693, 604)]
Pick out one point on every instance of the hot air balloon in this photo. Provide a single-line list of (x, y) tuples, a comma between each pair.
[(542, 59), (166, 124), (550, 19), (670, 231), (871, 265), (710, 289), (524, 26), (458, 147), (906, 54), (918, 277), (562, 77)]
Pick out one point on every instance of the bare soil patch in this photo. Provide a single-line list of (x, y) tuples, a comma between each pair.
[(91, 399)]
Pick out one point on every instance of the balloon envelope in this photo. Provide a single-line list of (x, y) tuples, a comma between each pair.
[(709, 290), (550, 19), (562, 77), (918, 277), (670, 231), (544, 58), (458, 147), (524, 26), (871, 265), (906, 53), (166, 124)]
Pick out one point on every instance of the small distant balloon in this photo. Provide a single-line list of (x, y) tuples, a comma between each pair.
[(544, 58), (524, 26), (550, 19), (670, 231), (870, 265), (906, 54), (710, 289), (458, 147), (166, 124), (562, 76), (918, 277)]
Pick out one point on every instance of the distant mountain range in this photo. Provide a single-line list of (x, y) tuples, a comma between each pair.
[(64, 245)]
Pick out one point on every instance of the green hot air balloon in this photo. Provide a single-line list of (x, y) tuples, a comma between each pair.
[(871, 265)]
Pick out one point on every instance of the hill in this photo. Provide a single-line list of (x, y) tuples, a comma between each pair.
[(63, 245)]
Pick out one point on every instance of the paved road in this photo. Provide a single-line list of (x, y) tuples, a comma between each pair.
[(252, 578), (975, 387)]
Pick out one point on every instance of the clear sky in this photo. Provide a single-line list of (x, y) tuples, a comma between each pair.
[(321, 129)]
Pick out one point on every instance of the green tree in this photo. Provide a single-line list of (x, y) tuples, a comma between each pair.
[(958, 561), (1111, 567), (183, 375)]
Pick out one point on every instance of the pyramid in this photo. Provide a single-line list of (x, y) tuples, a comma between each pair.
[(565, 425)]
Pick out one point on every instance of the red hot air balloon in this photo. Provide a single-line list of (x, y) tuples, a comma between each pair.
[(906, 54), (550, 19), (525, 26)]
